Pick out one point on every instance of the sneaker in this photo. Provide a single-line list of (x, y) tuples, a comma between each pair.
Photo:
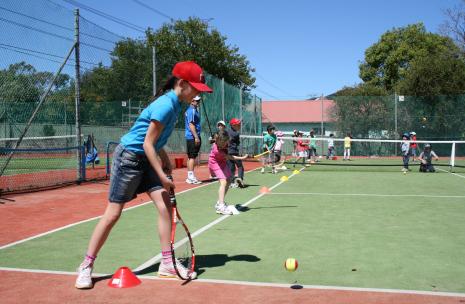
[(240, 182), (233, 185), (168, 271), (262, 170), (223, 209), (193, 181), (232, 209), (84, 279)]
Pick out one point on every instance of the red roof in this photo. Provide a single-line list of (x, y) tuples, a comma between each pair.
[(289, 111)]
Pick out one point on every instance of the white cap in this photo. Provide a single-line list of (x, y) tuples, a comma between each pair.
[(197, 98), (413, 133), (221, 122)]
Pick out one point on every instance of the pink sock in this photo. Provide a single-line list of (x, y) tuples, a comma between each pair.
[(89, 259), (166, 257)]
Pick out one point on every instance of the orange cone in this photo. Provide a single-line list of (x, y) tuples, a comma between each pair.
[(264, 190), (124, 278)]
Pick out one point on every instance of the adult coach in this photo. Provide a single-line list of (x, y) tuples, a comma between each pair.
[(193, 140)]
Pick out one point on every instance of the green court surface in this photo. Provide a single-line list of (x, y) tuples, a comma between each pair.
[(348, 228)]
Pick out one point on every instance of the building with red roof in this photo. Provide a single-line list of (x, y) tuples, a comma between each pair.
[(302, 115)]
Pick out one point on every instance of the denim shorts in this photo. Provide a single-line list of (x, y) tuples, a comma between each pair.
[(131, 174)]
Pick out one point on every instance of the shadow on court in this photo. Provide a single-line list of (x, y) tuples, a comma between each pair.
[(202, 262)]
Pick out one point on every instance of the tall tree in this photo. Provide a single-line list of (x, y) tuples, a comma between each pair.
[(193, 39), (388, 61), (454, 25)]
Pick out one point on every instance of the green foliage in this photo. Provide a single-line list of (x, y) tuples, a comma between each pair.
[(389, 60), (362, 110), (48, 130), (193, 40), (435, 74)]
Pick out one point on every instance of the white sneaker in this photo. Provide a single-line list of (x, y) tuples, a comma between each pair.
[(84, 279), (222, 209), (262, 170), (193, 181), (168, 271), (233, 185), (232, 209)]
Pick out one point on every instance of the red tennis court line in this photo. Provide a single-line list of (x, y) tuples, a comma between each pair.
[(26, 215)]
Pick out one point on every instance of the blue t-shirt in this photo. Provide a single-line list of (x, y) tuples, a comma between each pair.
[(192, 116), (165, 109)]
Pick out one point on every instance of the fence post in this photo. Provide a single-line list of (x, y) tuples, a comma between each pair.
[(77, 96)]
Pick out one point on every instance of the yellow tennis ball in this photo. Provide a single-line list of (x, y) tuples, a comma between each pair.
[(291, 264), (405, 172)]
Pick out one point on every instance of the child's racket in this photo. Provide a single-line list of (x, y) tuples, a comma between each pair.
[(182, 247), (261, 154)]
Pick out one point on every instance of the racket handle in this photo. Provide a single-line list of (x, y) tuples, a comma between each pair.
[(171, 192)]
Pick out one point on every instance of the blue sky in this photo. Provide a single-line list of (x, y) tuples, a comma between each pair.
[(299, 48)]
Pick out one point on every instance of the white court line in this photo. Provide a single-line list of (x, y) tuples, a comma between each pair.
[(259, 284), (157, 258), (367, 194), (439, 169), (95, 218)]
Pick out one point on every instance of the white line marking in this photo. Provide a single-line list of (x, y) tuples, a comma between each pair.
[(157, 258), (439, 169), (94, 218), (259, 284), (368, 194)]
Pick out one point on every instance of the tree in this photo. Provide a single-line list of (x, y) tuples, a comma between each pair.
[(454, 26), (389, 60), (362, 110), (194, 40)]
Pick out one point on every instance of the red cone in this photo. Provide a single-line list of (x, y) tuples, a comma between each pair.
[(264, 190), (124, 278)]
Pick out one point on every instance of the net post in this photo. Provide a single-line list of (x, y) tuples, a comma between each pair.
[(77, 95), (452, 157)]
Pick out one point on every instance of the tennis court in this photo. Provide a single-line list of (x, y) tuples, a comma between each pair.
[(351, 231)]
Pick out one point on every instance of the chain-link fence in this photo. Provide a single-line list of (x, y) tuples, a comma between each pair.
[(40, 59)]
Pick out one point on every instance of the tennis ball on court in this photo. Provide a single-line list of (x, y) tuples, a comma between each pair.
[(291, 264), (405, 172), (296, 171), (284, 178)]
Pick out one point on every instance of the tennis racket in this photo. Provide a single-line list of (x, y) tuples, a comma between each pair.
[(261, 154), (182, 247)]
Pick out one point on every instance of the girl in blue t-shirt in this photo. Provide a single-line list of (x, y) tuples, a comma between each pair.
[(140, 164)]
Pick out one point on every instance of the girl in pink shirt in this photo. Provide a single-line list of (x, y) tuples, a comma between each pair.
[(219, 168)]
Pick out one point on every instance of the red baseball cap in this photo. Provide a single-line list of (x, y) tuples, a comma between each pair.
[(192, 73), (235, 121)]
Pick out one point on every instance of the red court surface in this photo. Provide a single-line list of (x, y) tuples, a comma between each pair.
[(27, 215)]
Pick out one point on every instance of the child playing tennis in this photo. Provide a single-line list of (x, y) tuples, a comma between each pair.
[(140, 164), (405, 149), (426, 158), (268, 146), (217, 163), (331, 150), (347, 146), (302, 147), (277, 150)]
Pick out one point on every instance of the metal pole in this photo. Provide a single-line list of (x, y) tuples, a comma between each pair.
[(222, 97), (154, 73), (322, 124), (240, 107), (77, 96), (395, 120)]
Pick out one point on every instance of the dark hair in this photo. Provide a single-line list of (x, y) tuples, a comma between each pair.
[(169, 85), (222, 138), (270, 127)]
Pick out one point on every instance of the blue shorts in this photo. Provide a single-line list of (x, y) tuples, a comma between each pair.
[(131, 174)]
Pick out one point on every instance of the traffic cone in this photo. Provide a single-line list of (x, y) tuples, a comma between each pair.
[(124, 278), (264, 190)]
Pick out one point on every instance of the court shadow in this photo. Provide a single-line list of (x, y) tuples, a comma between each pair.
[(250, 185), (270, 207), (203, 262)]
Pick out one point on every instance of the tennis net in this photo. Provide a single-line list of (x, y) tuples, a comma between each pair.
[(365, 154)]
